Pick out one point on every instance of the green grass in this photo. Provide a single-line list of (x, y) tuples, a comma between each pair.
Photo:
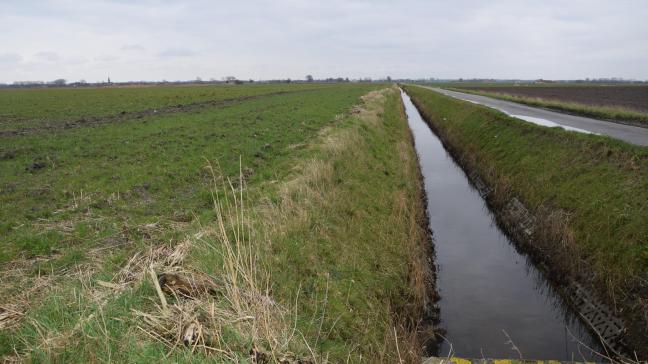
[(136, 172), (589, 192), (333, 212), (34, 108), (613, 113)]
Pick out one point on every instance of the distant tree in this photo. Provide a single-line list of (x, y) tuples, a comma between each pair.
[(251, 80), (229, 79), (59, 82), (309, 78), (288, 80), (198, 79), (388, 79)]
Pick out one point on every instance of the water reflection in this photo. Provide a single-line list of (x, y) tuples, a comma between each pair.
[(548, 123), (494, 302)]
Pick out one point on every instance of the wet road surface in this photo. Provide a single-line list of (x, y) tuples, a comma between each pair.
[(627, 133)]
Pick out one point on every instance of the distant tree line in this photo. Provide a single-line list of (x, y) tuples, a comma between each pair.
[(307, 79), (56, 83)]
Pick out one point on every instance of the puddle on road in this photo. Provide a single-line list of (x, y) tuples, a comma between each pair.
[(549, 123), (492, 297), (535, 120)]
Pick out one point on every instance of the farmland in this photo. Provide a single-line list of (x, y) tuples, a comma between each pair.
[(287, 222), (617, 103), (42, 109), (631, 97), (251, 192), (146, 157)]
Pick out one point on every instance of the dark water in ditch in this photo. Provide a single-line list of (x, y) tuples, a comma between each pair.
[(492, 297)]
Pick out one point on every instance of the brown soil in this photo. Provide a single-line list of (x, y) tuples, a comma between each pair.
[(631, 97)]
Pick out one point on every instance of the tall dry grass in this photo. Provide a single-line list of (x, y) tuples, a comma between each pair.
[(232, 315)]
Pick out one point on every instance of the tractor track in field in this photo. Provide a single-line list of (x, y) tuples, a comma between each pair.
[(91, 121)]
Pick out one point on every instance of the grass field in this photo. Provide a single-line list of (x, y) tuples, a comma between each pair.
[(614, 103), (293, 217), (589, 194), (144, 167), (55, 108)]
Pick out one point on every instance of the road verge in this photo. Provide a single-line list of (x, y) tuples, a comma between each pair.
[(612, 114)]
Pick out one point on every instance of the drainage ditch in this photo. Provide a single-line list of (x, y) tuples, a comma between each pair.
[(494, 302)]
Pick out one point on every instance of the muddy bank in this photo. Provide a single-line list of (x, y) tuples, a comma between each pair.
[(538, 233)]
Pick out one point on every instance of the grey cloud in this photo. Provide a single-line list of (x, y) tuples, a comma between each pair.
[(106, 58), (176, 39), (9, 58), (47, 56), (177, 53), (132, 47)]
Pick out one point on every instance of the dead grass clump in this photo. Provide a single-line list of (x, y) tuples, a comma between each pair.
[(336, 144), (12, 311), (314, 176), (410, 327), (231, 316)]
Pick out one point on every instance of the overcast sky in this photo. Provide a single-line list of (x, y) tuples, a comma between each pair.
[(173, 40)]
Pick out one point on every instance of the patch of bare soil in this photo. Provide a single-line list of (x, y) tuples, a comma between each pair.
[(631, 97)]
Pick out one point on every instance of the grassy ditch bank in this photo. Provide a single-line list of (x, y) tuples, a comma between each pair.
[(615, 114), (303, 239), (586, 195)]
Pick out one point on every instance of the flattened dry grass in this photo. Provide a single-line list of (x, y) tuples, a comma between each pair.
[(232, 317), (349, 233), (104, 200), (327, 263)]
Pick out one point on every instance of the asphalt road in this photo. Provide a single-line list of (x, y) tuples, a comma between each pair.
[(627, 133)]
